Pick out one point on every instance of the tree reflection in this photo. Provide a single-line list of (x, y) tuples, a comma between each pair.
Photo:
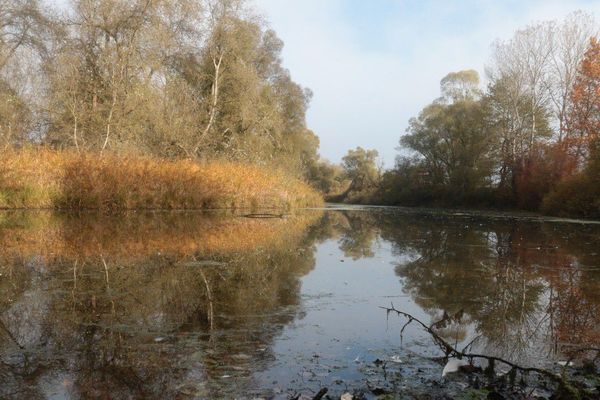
[(145, 306), (355, 231), (189, 305), (522, 286)]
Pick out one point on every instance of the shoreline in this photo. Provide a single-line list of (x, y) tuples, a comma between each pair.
[(469, 212)]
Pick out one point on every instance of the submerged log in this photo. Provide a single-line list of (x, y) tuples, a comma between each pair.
[(264, 215)]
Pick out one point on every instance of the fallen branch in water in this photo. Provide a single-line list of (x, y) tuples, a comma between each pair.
[(565, 387), (10, 335), (320, 394), (263, 215)]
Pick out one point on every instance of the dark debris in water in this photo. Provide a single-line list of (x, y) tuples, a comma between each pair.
[(422, 380)]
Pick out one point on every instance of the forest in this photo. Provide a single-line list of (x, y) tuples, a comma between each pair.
[(144, 80), (528, 140)]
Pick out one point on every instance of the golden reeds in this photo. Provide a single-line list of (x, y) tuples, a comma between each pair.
[(41, 178)]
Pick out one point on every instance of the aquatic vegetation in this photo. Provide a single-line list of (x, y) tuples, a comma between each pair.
[(41, 178)]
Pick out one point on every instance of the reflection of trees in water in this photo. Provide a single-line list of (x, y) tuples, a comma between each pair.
[(512, 280), (131, 307), (158, 304), (357, 239), (524, 286), (356, 232)]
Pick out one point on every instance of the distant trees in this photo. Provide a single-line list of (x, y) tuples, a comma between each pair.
[(528, 137), (460, 86), (518, 126), (355, 180), (325, 176), (187, 78), (362, 172), (531, 78), (455, 150), (451, 136)]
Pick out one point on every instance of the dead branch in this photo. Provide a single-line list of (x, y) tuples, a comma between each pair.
[(450, 350), (320, 394), (263, 215), (10, 335)]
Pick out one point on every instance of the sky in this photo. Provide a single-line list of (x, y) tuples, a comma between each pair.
[(373, 64)]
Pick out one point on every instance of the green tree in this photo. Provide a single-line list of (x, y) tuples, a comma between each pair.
[(453, 140), (324, 176), (361, 169), (461, 85)]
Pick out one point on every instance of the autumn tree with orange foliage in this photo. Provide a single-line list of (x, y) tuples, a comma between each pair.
[(579, 194), (583, 123)]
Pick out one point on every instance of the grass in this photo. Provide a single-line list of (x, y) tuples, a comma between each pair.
[(45, 179)]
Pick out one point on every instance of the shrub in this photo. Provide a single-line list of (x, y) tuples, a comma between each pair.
[(576, 196)]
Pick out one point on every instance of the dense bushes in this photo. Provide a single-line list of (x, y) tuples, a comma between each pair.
[(576, 196)]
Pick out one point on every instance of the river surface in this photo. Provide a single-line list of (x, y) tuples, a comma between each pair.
[(207, 305)]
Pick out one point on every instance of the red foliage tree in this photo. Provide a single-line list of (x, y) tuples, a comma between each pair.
[(578, 163), (583, 121)]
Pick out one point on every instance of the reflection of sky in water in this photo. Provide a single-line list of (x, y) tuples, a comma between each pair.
[(343, 329), (294, 302)]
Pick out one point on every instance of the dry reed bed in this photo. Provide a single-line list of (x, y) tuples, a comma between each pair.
[(40, 178)]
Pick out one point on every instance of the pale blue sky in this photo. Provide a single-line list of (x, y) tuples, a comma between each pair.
[(373, 64)]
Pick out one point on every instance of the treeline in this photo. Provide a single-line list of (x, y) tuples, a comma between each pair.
[(196, 79), (528, 140)]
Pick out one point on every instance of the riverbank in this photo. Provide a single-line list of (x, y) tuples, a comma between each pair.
[(48, 179), (467, 213)]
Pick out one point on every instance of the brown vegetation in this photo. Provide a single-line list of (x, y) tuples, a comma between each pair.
[(42, 178), (195, 80), (50, 235)]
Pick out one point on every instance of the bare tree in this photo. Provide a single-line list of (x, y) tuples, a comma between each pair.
[(569, 42)]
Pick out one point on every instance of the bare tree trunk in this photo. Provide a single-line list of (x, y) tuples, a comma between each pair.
[(109, 120), (532, 134), (75, 132), (8, 137), (215, 100), (210, 312)]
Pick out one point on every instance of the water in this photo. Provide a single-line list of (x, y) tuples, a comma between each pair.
[(208, 305)]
